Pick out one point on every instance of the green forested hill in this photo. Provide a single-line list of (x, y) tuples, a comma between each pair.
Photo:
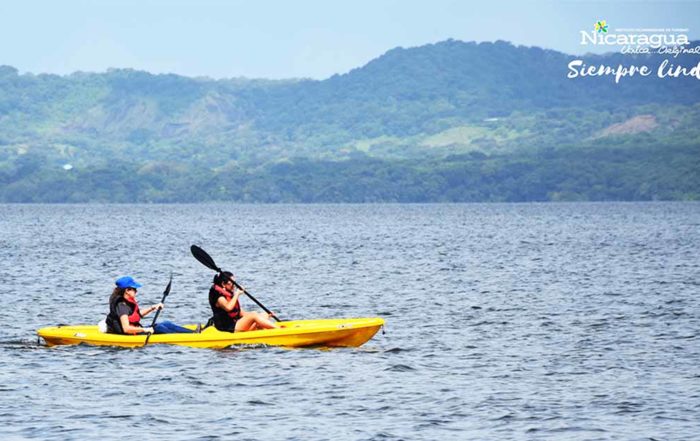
[(452, 121)]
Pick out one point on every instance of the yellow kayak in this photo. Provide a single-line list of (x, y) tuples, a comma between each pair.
[(350, 332)]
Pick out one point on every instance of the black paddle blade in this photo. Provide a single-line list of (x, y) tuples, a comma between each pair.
[(167, 288), (204, 258)]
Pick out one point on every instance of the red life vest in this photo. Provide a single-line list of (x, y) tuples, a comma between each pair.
[(135, 317), (113, 322), (236, 311)]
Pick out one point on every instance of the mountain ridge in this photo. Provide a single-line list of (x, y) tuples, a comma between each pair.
[(427, 103)]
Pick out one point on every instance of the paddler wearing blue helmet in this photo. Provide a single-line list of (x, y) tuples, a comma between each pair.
[(125, 316)]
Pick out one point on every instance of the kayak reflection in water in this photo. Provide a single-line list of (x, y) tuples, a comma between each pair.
[(229, 316), (125, 316)]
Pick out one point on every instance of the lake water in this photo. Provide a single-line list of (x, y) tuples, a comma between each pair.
[(512, 321)]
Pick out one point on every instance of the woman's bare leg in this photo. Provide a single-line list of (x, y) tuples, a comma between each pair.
[(263, 321), (252, 321)]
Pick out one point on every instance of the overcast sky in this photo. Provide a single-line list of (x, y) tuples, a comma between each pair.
[(294, 38)]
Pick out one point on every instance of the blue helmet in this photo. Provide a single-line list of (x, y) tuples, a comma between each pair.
[(127, 282)]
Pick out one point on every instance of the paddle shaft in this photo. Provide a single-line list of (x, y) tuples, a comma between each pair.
[(153, 323), (255, 300)]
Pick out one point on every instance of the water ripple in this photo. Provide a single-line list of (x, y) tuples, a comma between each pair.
[(504, 321)]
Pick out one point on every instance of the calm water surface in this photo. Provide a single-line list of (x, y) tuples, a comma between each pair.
[(530, 321)]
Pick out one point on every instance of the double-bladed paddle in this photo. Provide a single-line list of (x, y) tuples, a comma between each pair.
[(165, 294), (205, 259)]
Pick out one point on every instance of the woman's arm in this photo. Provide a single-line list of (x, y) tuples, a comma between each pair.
[(238, 293), (228, 305), (150, 309), (129, 328)]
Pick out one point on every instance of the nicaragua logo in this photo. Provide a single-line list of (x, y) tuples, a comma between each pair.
[(601, 26), (654, 38)]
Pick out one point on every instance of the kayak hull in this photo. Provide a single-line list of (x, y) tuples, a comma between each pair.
[(352, 332)]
